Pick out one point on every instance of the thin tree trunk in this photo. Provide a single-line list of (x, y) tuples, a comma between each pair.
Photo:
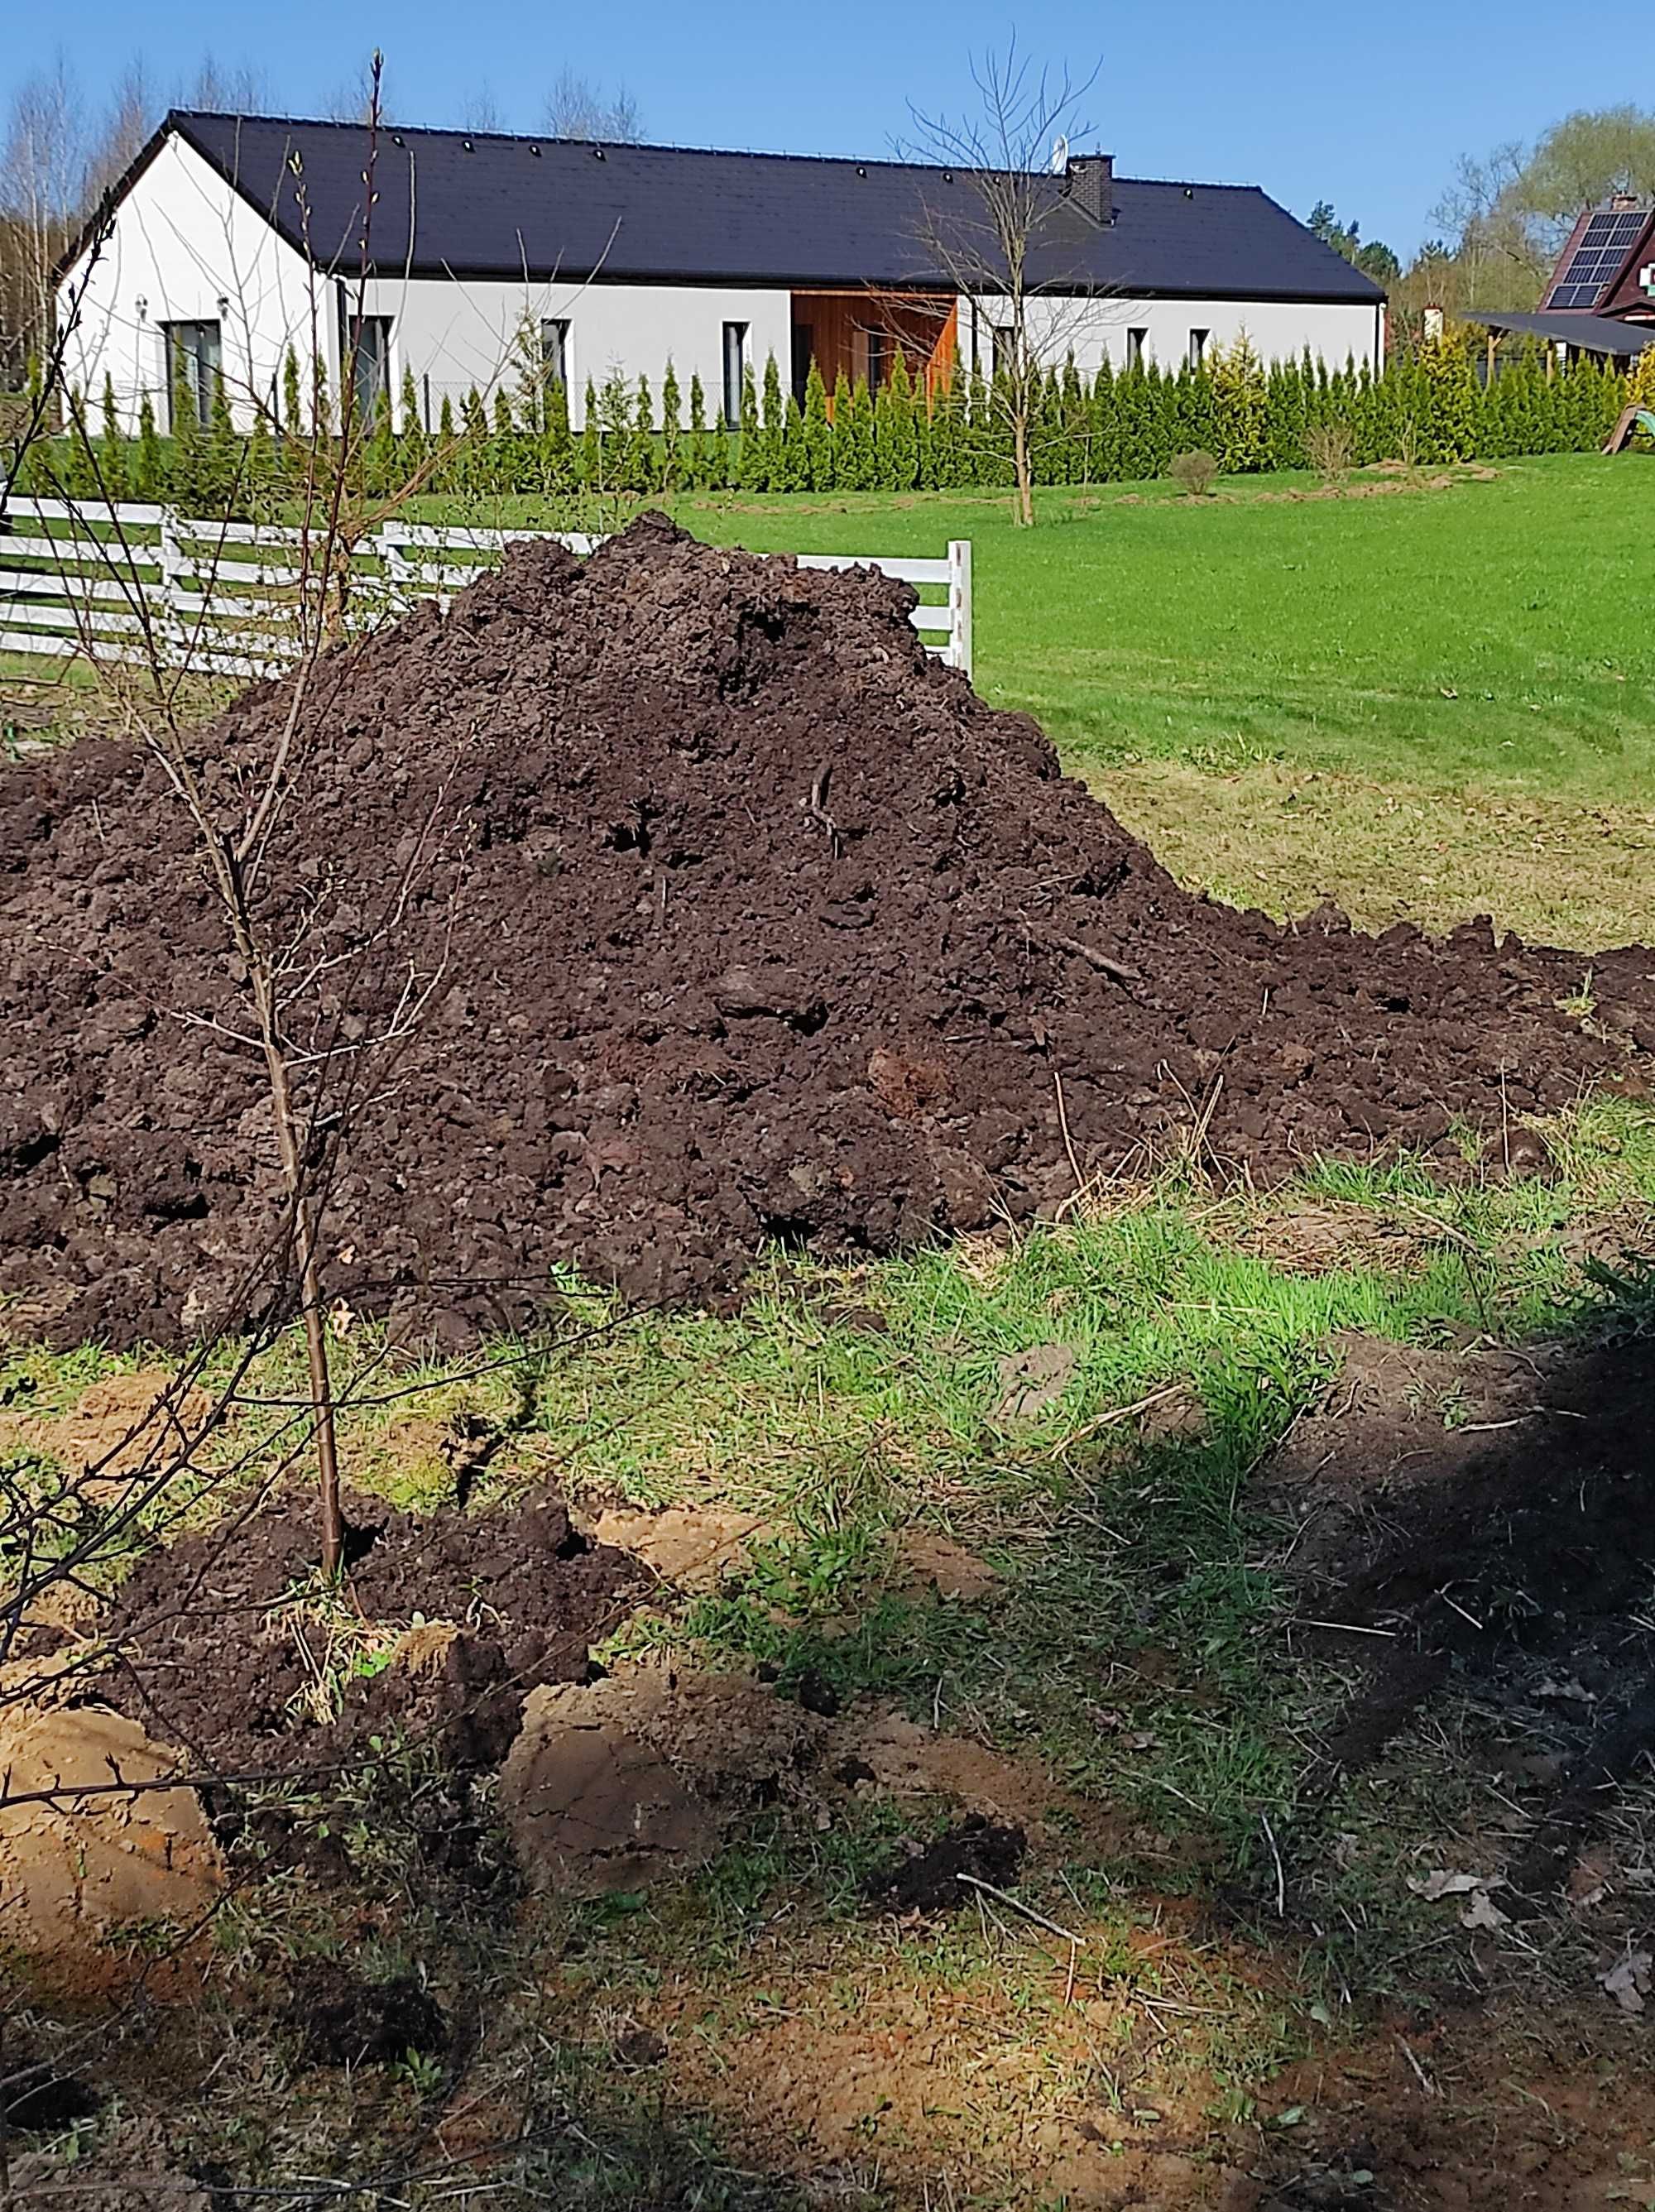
[(1025, 482), (304, 1218)]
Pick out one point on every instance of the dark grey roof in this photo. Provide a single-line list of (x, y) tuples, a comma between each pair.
[(486, 205), (1574, 326)]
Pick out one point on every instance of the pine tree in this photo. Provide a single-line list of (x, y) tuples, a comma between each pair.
[(1240, 405), (221, 474), (671, 430), (410, 442), (149, 473)]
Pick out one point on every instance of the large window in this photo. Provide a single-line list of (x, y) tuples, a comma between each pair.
[(554, 354), (367, 340), (735, 371), (195, 357)]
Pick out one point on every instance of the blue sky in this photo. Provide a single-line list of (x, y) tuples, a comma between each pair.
[(1367, 108)]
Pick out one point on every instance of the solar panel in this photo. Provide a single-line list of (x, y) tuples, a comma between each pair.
[(1596, 261)]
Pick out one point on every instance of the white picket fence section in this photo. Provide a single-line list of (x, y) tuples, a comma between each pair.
[(121, 581)]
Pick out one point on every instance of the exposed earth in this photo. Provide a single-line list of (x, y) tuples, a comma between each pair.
[(645, 912)]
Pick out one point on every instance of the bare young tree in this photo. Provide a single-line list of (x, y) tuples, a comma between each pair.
[(1007, 239), (43, 161), (576, 108)]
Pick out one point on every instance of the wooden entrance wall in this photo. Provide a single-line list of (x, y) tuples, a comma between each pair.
[(858, 334)]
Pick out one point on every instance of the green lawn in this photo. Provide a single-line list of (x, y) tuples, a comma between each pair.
[(1423, 699)]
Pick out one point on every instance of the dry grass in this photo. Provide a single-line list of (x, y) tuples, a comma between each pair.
[(1268, 835)]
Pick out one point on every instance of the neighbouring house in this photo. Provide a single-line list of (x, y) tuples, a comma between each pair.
[(1600, 302), (478, 259)]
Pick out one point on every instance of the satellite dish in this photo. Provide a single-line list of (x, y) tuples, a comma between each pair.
[(1059, 155)]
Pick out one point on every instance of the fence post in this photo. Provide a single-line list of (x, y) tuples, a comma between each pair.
[(959, 604), (170, 562)]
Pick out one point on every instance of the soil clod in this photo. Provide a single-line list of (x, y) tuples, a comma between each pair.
[(930, 1878)]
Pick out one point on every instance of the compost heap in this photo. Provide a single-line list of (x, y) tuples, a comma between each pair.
[(638, 913)]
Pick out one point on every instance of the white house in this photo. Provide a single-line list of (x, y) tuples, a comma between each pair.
[(437, 253)]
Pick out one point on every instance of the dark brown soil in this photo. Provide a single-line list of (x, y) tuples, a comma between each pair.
[(1491, 1514), (928, 1880), (222, 1660), (347, 2022), (734, 919)]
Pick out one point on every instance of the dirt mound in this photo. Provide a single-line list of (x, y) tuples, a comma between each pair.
[(229, 1648), (733, 917)]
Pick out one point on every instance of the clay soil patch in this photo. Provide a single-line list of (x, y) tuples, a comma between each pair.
[(744, 922)]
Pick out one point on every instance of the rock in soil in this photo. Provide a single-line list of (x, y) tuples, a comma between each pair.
[(731, 920)]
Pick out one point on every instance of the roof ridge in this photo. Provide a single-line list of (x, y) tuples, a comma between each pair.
[(624, 146)]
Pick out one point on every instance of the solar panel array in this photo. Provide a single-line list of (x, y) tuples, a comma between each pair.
[(1596, 262)]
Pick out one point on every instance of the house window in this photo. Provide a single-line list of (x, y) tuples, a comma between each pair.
[(735, 371), (876, 351), (1198, 347), (194, 360), (369, 340), (554, 354), (1136, 341)]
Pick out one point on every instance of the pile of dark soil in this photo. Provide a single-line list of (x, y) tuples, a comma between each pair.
[(223, 1657), (1489, 1517), (727, 915)]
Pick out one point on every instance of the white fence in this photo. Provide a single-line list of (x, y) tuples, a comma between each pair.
[(124, 582)]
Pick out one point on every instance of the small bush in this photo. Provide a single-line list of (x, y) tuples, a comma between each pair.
[(1329, 447), (1195, 473)]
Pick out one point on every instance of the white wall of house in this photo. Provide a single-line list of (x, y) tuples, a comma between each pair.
[(1096, 330), (459, 334), (186, 248)]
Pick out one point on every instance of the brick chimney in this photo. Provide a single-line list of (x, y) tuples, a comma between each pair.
[(1091, 182)]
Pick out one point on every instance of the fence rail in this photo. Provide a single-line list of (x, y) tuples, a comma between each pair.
[(129, 582)]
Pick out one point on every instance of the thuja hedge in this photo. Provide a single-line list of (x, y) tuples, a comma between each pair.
[(1429, 407)]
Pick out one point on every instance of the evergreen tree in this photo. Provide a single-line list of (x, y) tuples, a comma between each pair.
[(751, 471), (149, 472), (1240, 399), (899, 458), (185, 475), (220, 479), (816, 434), (791, 458), (842, 404), (557, 447), (671, 430), (112, 447), (861, 470), (591, 443), (642, 467), (447, 475), (381, 459), (697, 461), (775, 429)]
